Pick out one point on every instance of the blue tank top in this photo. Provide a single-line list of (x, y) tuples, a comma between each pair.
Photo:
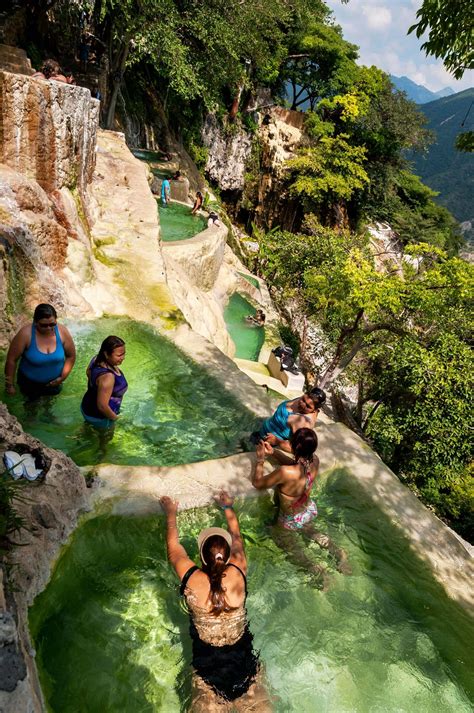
[(165, 187), (278, 423), (40, 367), (89, 400)]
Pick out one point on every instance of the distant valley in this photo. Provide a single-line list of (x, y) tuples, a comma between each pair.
[(445, 169)]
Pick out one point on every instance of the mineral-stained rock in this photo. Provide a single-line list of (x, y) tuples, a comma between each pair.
[(48, 130), (50, 509)]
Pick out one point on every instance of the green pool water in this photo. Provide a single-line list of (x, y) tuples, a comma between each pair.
[(145, 155), (111, 634), (177, 223), (173, 412), (248, 338), (251, 279)]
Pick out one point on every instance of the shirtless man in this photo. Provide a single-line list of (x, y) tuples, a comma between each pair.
[(288, 418)]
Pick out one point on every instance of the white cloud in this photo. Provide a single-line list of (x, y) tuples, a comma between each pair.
[(377, 17), (379, 28)]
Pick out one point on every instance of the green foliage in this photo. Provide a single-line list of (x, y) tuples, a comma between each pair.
[(450, 33), (410, 209), (423, 426), (407, 325), (198, 154), (332, 169), (465, 141), (288, 337)]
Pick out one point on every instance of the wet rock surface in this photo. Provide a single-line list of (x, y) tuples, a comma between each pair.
[(50, 509), (48, 130)]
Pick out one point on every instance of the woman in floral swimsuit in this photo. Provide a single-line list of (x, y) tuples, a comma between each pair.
[(296, 510)]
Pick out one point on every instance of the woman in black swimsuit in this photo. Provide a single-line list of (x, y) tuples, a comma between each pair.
[(226, 669)]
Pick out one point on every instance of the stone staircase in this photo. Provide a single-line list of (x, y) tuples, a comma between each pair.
[(15, 60)]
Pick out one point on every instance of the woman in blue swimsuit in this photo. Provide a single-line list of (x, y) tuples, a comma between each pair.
[(46, 353), (106, 384)]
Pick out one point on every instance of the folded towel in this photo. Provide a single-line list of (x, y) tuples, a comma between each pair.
[(21, 465), (13, 463)]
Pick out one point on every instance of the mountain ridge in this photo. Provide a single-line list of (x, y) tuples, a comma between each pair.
[(418, 92)]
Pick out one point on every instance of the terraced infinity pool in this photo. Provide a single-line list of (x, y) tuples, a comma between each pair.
[(247, 337), (177, 223), (111, 634), (174, 411)]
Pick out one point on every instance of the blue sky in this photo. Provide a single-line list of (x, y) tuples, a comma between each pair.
[(379, 28)]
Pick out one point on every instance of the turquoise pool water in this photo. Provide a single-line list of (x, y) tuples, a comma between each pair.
[(174, 411), (251, 279), (177, 223), (248, 338), (145, 155), (111, 634)]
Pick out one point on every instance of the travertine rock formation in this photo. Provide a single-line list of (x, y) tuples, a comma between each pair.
[(228, 154), (48, 130), (50, 508)]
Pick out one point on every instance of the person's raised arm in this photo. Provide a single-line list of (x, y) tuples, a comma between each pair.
[(70, 353), (105, 387), (259, 479), (237, 552), (177, 555), (15, 350)]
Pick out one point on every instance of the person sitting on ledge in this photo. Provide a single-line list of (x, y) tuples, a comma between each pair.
[(177, 176), (50, 69), (301, 412), (258, 319), (197, 203), (213, 220)]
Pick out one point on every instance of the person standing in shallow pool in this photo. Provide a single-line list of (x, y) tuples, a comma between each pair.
[(296, 511), (46, 352), (165, 191), (226, 669), (106, 384)]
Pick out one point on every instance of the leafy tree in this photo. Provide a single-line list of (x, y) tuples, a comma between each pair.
[(320, 63), (355, 298), (450, 28), (422, 427), (329, 171)]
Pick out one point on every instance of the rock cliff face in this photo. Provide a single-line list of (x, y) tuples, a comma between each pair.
[(50, 508), (48, 131), (252, 168), (228, 154)]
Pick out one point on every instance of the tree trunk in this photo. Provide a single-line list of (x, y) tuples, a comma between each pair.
[(117, 75), (235, 104)]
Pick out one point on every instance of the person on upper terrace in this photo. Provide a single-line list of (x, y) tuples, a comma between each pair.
[(213, 220), (165, 191), (301, 412), (177, 176), (50, 69), (197, 203)]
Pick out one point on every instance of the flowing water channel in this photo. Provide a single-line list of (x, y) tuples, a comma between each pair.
[(112, 635), (247, 337), (173, 412)]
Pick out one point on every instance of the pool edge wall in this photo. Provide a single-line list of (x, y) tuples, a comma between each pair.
[(448, 557)]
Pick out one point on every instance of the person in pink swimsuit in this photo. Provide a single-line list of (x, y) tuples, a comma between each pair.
[(296, 510)]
